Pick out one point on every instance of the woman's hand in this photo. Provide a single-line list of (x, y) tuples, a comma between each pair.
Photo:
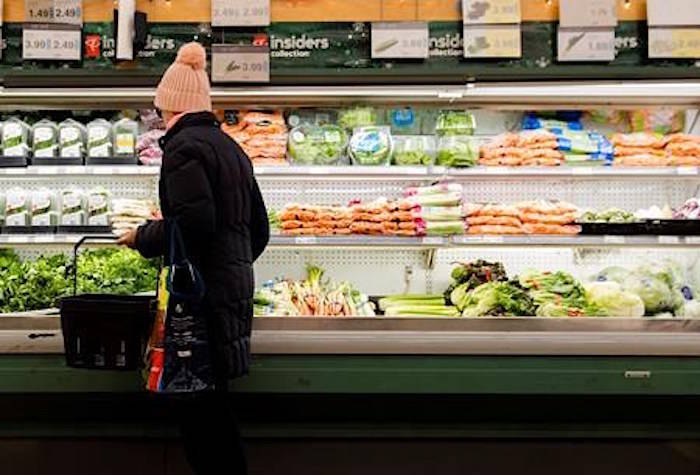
[(128, 239)]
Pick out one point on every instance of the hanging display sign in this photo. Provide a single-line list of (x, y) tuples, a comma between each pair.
[(51, 42), (673, 13), (69, 12), (588, 13), (400, 40), (247, 64), (492, 41), (486, 12), (679, 43), (589, 44), (240, 12)]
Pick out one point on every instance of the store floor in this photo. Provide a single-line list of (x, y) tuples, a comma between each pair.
[(367, 457)]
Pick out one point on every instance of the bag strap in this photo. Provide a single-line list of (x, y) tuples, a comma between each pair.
[(178, 261)]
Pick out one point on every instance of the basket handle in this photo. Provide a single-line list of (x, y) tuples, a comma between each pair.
[(76, 247)]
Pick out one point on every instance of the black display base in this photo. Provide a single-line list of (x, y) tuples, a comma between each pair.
[(57, 161), (13, 162), (112, 160), (616, 229), (29, 230), (85, 230), (675, 227)]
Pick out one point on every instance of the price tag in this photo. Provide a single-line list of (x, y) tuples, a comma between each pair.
[(674, 42), (577, 13), (481, 12), (51, 42), (687, 170), (582, 171), (68, 12), (400, 40), (240, 63), (47, 170), (17, 239), (492, 41), (614, 239), (306, 240), (493, 239), (240, 13), (694, 240), (673, 13), (497, 170), (576, 44), (432, 241), (669, 240)]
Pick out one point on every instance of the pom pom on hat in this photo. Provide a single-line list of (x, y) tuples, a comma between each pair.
[(193, 55)]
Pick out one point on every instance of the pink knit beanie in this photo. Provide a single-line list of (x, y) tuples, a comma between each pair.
[(185, 85)]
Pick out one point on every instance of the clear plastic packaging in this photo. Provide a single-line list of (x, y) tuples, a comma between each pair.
[(356, 117), (371, 146), (71, 138), (312, 145), (455, 122), (99, 138), (17, 207), (45, 138), (99, 207), (404, 121), (15, 138), (73, 207), (44, 208), (413, 150), (125, 132), (457, 151)]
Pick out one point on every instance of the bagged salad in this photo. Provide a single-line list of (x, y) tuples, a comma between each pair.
[(98, 205), (458, 151), (413, 150), (17, 205), (44, 208), (45, 138), (455, 122), (317, 145), (71, 138), (125, 132), (371, 146), (355, 117), (15, 138), (99, 138), (72, 207)]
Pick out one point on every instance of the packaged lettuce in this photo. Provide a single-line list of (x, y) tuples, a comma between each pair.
[(317, 145), (45, 138), (98, 204), (71, 138), (350, 119), (125, 132), (458, 151), (413, 150), (455, 122), (73, 207), (99, 138), (15, 138), (371, 146), (43, 208), (17, 207)]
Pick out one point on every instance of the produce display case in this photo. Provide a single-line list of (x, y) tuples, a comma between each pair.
[(313, 354)]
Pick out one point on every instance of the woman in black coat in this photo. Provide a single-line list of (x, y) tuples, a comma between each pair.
[(207, 185)]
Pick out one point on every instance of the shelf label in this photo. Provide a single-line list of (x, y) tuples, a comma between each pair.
[(497, 170), (51, 42), (240, 13), (67, 12), (577, 13), (577, 44), (614, 239), (492, 41), (240, 63), (669, 240), (400, 40), (482, 12), (492, 239), (687, 170), (674, 42), (17, 239), (432, 241), (582, 171), (673, 13), (306, 240), (694, 240)]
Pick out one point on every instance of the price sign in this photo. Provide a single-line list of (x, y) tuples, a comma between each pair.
[(673, 12), (577, 13), (492, 41), (483, 12), (240, 63), (400, 40), (674, 42), (240, 13), (576, 44), (68, 12), (51, 42)]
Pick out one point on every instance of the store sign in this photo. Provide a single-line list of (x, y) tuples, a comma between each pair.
[(681, 43), (584, 44), (240, 64), (492, 41), (240, 12), (68, 12), (400, 40), (577, 13), (51, 42), (673, 12), (481, 12)]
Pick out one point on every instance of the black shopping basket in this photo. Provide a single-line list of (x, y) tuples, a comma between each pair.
[(107, 332)]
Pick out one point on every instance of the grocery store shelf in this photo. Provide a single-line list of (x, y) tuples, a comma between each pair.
[(368, 242), (508, 95), (384, 172), (423, 336)]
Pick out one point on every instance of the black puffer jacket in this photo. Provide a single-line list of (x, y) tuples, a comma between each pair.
[(207, 185)]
